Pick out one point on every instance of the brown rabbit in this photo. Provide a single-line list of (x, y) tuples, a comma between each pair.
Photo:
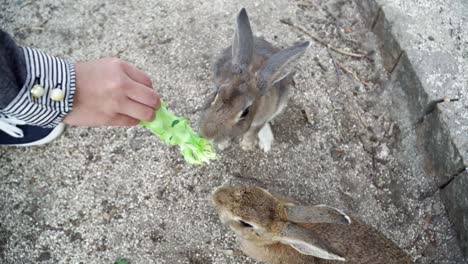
[(276, 231), (252, 79)]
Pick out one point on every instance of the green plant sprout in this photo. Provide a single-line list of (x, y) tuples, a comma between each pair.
[(122, 261), (175, 130)]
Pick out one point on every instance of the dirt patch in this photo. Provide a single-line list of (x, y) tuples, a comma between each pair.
[(338, 142)]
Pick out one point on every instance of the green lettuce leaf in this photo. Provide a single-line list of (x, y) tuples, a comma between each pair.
[(174, 130)]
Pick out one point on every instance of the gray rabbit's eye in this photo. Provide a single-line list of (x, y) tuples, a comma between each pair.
[(245, 113), (245, 224)]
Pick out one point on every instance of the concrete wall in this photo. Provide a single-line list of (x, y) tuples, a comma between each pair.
[(424, 47)]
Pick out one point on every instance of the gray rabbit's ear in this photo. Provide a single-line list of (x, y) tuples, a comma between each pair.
[(316, 214), (280, 65), (243, 43), (307, 242)]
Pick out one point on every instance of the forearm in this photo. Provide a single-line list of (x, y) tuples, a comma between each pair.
[(34, 87)]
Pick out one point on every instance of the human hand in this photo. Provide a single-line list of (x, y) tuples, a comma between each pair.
[(111, 92)]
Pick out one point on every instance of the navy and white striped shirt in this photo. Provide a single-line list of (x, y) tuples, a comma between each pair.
[(51, 73)]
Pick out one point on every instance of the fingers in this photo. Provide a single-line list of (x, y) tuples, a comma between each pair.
[(139, 93), (137, 75), (137, 110), (140, 88), (123, 120)]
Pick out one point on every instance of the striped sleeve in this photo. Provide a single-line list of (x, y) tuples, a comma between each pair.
[(50, 73)]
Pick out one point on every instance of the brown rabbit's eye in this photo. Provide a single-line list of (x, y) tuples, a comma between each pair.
[(245, 113), (245, 224)]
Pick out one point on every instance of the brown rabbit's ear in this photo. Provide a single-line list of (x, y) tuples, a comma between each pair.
[(316, 214), (307, 242), (280, 65), (243, 43)]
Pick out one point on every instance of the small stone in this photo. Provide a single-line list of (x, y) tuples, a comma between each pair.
[(156, 237), (76, 236), (101, 248), (382, 152), (300, 137), (137, 144), (44, 256), (309, 117), (337, 153), (431, 38)]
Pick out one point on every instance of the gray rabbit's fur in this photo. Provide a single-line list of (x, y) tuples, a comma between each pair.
[(252, 80)]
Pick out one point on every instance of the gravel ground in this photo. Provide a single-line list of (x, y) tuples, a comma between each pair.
[(98, 194)]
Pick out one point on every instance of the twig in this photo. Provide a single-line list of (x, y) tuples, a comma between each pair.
[(26, 4), (9, 182), (334, 65), (432, 106), (120, 52), (352, 74), (306, 4), (323, 42), (31, 28), (351, 54), (316, 59), (238, 176)]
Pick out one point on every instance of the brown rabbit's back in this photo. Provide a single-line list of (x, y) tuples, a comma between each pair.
[(361, 244), (358, 243)]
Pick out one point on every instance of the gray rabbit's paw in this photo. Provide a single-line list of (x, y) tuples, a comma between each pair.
[(266, 138)]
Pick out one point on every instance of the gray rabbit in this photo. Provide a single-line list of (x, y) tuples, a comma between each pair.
[(252, 79)]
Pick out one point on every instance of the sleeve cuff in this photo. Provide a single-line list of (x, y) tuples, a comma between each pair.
[(48, 92)]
